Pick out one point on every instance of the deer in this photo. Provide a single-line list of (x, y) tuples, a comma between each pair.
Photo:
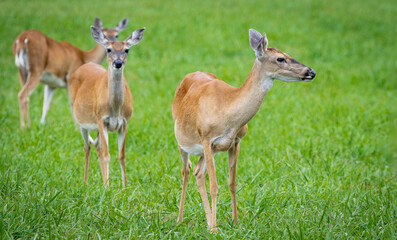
[(42, 59), (102, 101), (211, 116)]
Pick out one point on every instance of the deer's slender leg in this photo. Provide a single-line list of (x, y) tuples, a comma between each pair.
[(233, 155), (199, 171), (87, 149), (48, 93), (27, 89), (185, 176), (105, 156), (122, 134), (209, 161), (96, 143)]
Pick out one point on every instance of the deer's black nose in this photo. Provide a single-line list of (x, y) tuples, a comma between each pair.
[(310, 73), (118, 63)]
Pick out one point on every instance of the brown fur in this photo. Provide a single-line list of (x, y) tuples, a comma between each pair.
[(89, 94)]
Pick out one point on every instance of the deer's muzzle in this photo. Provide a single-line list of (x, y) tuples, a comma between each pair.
[(310, 74), (118, 64)]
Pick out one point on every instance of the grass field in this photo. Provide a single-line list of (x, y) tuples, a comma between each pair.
[(319, 159)]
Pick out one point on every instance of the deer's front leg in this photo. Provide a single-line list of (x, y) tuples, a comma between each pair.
[(48, 93), (122, 134), (209, 160), (105, 157)]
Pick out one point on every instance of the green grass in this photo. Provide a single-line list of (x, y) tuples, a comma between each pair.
[(319, 159)]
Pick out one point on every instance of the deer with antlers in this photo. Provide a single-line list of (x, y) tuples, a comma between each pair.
[(41, 59), (102, 101), (211, 116)]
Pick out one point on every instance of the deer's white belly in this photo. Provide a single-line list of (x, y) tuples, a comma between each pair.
[(89, 126), (52, 80), (195, 150)]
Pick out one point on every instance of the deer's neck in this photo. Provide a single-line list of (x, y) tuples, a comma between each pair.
[(95, 55), (116, 91), (250, 95)]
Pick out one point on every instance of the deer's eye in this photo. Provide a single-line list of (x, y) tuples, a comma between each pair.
[(126, 51), (108, 50), (280, 59), (117, 36)]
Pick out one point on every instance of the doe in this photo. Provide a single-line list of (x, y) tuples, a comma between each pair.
[(41, 59), (211, 116), (102, 101)]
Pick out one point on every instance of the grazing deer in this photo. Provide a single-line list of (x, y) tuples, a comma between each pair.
[(41, 59), (211, 116), (101, 100)]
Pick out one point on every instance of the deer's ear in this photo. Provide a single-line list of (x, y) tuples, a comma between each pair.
[(135, 37), (122, 25), (98, 36), (264, 42), (258, 43), (98, 23)]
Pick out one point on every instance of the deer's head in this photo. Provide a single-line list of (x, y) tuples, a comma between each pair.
[(117, 51), (278, 65)]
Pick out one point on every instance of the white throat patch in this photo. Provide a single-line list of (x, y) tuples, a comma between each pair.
[(267, 83)]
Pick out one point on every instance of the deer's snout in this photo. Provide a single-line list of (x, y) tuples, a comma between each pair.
[(118, 64), (310, 74)]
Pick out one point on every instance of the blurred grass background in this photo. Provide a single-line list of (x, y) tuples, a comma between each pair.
[(319, 159)]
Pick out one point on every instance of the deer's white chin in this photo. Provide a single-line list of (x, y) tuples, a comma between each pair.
[(288, 79), (307, 79), (117, 69)]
